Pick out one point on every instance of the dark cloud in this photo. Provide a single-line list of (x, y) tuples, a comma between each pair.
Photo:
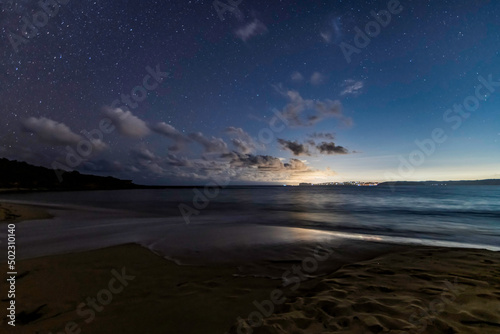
[(309, 146), (263, 162), (331, 148), (295, 147), (321, 135)]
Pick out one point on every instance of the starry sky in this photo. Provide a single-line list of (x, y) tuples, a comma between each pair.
[(255, 92)]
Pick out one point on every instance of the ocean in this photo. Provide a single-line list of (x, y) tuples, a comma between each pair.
[(463, 216)]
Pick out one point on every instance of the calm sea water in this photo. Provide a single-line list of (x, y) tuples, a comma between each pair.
[(465, 214)]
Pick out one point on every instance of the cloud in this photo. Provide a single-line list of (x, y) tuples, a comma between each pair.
[(173, 160), (329, 107), (241, 146), (332, 30), (265, 168), (317, 78), (352, 87), (241, 140), (331, 148), (142, 154), (327, 36), (59, 134), (227, 166), (296, 165), (146, 160), (253, 28), (263, 162), (239, 132), (51, 132), (167, 130), (295, 147), (297, 77), (300, 112), (126, 123), (155, 168), (321, 135), (309, 146), (210, 145)]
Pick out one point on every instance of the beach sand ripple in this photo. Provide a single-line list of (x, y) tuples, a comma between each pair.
[(429, 290)]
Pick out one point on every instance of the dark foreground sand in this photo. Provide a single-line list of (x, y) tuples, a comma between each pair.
[(425, 290), (128, 289)]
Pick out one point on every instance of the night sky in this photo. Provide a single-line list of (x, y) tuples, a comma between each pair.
[(185, 92)]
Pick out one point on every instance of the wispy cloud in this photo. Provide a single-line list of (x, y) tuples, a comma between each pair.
[(317, 78), (352, 87), (297, 77), (254, 28), (300, 112), (326, 36)]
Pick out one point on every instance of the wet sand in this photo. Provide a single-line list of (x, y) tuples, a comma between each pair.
[(12, 213), (378, 289)]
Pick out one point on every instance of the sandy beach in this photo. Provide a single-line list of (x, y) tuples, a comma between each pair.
[(425, 290), (12, 213), (129, 289)]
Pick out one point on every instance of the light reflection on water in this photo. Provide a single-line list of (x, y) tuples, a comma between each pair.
[(469, 214)]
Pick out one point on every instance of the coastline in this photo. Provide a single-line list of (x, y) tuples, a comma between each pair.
[(384, 288)]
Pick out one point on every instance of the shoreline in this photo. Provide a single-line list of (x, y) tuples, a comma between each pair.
[(360, 287)]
